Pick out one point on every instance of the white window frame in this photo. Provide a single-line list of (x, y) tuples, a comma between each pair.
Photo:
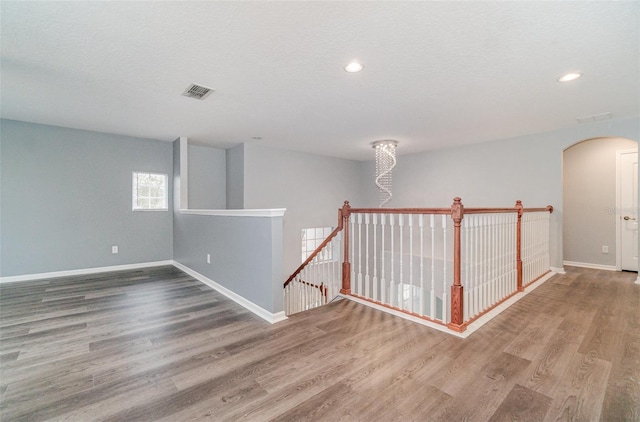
[(134, 192), (310, 244)]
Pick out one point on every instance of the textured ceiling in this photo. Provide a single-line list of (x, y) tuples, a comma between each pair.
[(437, 74)]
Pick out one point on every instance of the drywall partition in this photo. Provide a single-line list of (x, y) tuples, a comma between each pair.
[(310, 187), (235, 177), (237, 252), (240, 252), (66, 199), (495, 173), (589, 186), (207, 177)]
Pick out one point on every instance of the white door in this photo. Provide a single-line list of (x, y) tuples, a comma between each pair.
[(628, 212)]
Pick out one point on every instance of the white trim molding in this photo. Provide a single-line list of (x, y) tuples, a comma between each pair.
[(619, 206), (592, 266), (257, 310), (558, 270), (638, 280), (83, 271), (275, 212)]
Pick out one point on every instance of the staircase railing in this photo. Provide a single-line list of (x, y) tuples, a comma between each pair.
[(446, 265), (317, 280)]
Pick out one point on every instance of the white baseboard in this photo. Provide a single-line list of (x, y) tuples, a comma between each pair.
[(83, 271), (638, 280), (259, 311), (558, 270), (592, 266)]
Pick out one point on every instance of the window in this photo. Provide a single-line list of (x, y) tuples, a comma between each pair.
[(312, 238), (149, 191)]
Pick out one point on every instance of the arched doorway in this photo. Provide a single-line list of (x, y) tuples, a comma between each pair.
[(591, 195)]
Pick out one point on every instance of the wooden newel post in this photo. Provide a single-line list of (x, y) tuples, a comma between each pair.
[(457, 309), (346, 265), (520, 210)]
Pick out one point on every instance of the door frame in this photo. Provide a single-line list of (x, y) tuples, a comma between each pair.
[(619, 206)]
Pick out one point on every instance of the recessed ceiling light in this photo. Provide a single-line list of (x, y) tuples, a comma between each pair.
[(569, 77), (353, 67)]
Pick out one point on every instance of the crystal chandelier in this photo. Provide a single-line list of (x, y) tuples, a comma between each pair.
[(385, 163)]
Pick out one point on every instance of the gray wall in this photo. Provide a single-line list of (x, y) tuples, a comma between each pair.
[(246, 252), (589, 185), (207, 178), (310, 187), (66, 199), (495, 173), (235, 177)]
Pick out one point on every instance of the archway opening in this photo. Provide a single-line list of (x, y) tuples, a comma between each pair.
[(590, 182)]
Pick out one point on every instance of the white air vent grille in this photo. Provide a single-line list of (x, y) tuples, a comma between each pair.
[(198, 92)]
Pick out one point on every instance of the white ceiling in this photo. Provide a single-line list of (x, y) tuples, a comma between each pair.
[(437, 74)]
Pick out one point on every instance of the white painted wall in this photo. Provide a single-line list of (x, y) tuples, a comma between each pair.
[(589, 184), (495, 173)]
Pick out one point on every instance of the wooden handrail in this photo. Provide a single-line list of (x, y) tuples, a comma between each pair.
[(323, 289), (548, 208), (444, 211), (400, 210), (488, 210), (324, 243)]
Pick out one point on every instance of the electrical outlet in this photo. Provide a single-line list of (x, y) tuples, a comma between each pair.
[(605, 249), (208, 258), (114, 249)]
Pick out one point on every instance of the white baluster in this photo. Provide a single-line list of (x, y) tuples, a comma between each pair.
[(469, 287), (476, 265), (383, 282), (504, 253), (501, 262), (491, 252), (492, 257), (445, 295), (324, 271), (483, 276), (487, 276), (432, 296), (523, 249), (467, 282), (367, 281), (392, 284), (359, 283), (422, 291), (514, 265), (375, 254), (496, 258), (352, 244), (410, 218), (401, 303)]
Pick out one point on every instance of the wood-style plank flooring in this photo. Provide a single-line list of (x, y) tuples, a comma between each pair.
[(156, 345)]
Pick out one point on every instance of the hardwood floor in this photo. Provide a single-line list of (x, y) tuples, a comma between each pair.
[(156, 345)]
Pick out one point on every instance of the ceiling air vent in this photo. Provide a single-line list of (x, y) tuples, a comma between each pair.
[(198, 92)]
